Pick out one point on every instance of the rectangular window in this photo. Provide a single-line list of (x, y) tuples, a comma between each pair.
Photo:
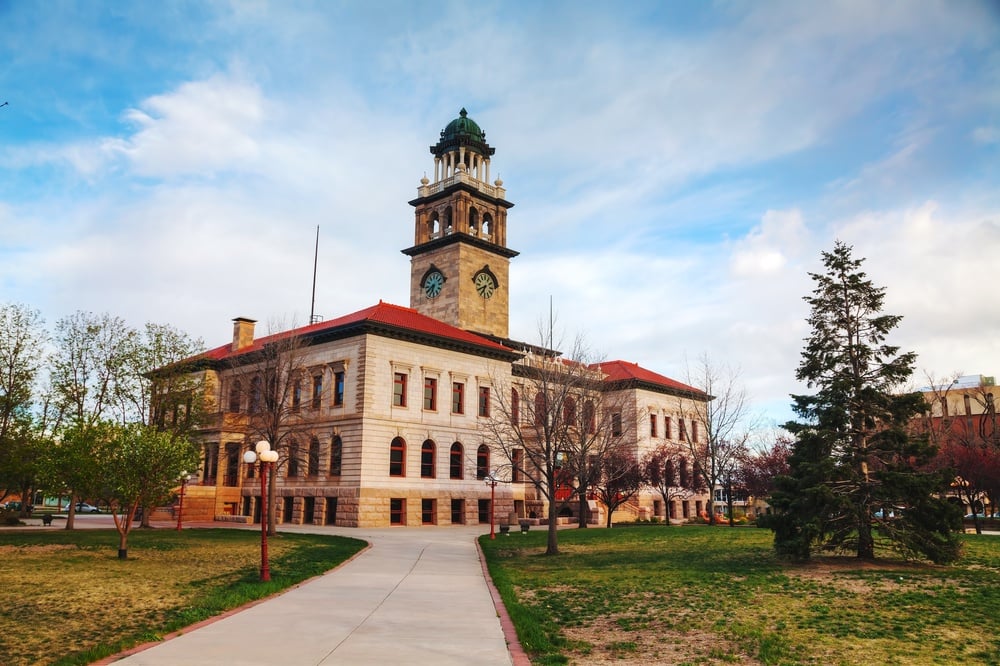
[(694, 431), (682, 430), (313, 457), (399, 389), (430, 394), (616, 424), (484, 511), (428, 511), (293, 460), (317, 398), (652, 425), (458, 512), (484, 401), (338, 389), (517, 465), (458, 398), (667, 430), (331, 511), (397, 511), (296, 395)]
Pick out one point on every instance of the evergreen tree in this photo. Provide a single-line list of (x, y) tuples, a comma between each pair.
[(854, 472)]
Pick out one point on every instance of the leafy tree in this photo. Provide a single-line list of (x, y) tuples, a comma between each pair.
[(968, 443), (22, 343), (139, 464), (620, 481), (758, 470), (852, 456)]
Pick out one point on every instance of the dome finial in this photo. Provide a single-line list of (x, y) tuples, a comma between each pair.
[(463, 112)]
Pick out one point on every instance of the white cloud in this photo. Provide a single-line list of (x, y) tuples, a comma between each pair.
[(200, 128)]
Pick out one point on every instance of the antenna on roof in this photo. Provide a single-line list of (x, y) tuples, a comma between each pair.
[(313, 317)]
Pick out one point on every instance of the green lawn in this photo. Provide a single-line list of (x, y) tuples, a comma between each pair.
[(66, 598), (700, 595)]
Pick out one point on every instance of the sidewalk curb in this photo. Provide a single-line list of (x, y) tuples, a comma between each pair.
[(517, 654)]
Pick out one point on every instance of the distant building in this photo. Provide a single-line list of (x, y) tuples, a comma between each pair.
[(382, 409)]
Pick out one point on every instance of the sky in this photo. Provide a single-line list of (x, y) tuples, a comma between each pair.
[(677, 168)]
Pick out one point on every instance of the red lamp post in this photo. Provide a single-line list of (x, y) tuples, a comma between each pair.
[(267, 458), (491, 481), (180, 500)]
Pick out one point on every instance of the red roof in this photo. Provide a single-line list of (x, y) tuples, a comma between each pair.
[(625, 371), (386, 314)]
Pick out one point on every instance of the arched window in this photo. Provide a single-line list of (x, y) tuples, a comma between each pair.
[(473, 221), (669, 474), (336, 455), (455, 462), (541, 404), (447, 221), (515, 407), (427, 459), (482, 461), (683, 465), (487, 225), (569, 410), (235, 394), (397, 457), (434, 225)]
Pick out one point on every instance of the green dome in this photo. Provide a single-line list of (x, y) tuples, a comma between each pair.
[(463, 131), (463, 125)]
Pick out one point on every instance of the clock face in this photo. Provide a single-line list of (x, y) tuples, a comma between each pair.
[(485, 284), (433, 284)]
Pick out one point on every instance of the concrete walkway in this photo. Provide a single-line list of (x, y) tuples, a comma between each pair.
[(416, 596)]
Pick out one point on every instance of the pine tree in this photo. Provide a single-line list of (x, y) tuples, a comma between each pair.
[(854, 471)]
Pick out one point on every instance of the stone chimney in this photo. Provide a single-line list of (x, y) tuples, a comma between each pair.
[(242, 332)]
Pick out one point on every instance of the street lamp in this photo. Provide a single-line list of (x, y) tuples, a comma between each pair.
[(491, 481), (185, 479), (267, 458)]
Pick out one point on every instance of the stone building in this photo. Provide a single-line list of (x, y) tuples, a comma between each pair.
[(378, 415)]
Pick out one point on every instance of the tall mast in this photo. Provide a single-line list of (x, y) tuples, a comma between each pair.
[(312, 305)]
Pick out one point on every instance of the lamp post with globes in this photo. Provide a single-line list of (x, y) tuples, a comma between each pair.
[(267, 457), (492, 481), (185, 479)]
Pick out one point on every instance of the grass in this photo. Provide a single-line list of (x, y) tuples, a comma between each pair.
[(66, 598), (698, 595)]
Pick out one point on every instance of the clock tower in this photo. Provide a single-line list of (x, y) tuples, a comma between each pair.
[(459, 263)]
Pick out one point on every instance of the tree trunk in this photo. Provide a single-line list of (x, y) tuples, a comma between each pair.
[(584, 509), (552, 546), (866, 542), (72, 512)]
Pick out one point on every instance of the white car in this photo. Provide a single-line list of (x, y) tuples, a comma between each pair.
[(83, 507)]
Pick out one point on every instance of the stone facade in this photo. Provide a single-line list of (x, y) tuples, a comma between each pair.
[(380, 410)]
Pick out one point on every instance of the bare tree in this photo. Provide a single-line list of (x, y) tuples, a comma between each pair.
[(726, 420), (551, 423), (277, 387), (661, 469)]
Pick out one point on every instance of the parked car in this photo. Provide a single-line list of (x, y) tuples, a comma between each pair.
[(15, 506), (83, 507)]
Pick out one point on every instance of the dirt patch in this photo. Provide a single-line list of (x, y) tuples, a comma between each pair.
[(604, 643), (36, 548)]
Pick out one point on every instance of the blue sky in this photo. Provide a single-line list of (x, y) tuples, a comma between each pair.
[(677, 168)]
